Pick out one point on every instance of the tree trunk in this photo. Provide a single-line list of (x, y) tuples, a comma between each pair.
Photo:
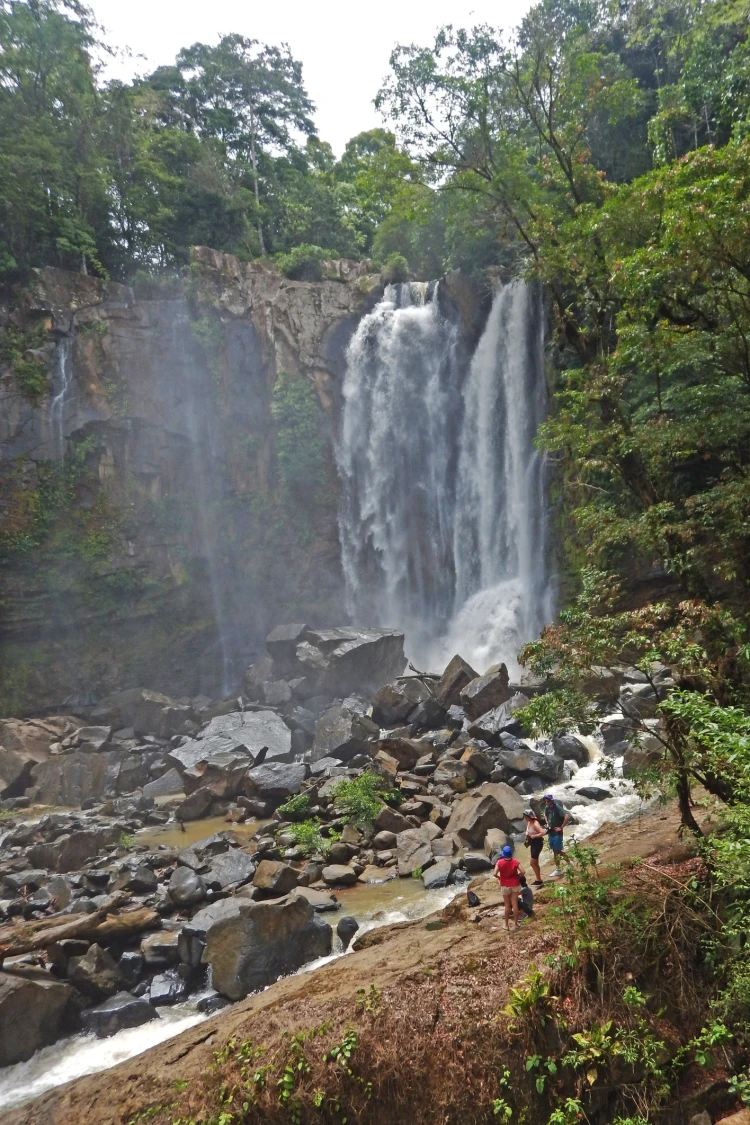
[(254, 162)]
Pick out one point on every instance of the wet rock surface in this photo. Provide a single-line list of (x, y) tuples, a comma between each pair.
[(264, 941)]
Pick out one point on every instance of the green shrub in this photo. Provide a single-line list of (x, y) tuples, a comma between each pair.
[(30, 373), (360, 799), (304, 263), (296, 808), (300, 439), (308, 837), (395, 270), (547, 715)]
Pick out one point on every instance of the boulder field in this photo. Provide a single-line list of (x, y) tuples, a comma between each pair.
[(99, 931)]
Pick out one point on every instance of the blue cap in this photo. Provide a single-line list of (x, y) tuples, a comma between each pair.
[(507, 851)]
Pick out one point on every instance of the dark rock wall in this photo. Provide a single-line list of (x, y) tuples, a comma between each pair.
[(173, 495)]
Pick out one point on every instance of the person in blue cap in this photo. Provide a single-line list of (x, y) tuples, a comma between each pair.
[(508, 872)]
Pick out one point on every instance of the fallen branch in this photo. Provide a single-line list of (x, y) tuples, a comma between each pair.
[(25, 937)]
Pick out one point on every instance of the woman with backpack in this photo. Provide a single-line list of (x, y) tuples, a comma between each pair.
[(508, 872)]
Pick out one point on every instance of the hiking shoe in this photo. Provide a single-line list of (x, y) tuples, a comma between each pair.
[(555, 875), (537, 883)]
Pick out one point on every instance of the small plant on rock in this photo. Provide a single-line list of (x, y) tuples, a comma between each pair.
[(360, 799), (310, 840), (296, 808)]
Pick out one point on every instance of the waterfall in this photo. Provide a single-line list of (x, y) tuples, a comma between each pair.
[(442, 520), (397, 464), (58, 402), (205, 457)]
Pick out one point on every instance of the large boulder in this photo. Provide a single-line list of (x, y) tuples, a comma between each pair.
[(458, 675), (231, 869), (223, 773), (394, 702), (642, 755), (339, 875), (531, 763), (274, 879), (439, 875), (499, 720), (275, 780), (252, 731), (264, 941), (282, 643), (406, 751), (31, 1013), (91, 740), (256, 675), (492, 805), (414, 851), (120, 1011), (391, 821), (196, 806), (25, 744), (358, 660), (485, 692), (170, 784), (640, 701), (147, 712), (341, 733), (71, 851), (71, 779), (570, 748), (186, 887), (95, 974)]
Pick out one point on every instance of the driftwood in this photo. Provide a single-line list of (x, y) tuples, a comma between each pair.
[(121, 925), (25, 937)]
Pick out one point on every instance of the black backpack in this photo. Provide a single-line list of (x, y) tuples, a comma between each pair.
[(473, 899)]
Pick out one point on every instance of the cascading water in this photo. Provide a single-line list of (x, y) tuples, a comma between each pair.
[(397, 463), (200, 426), (443, 499), (59, 400)]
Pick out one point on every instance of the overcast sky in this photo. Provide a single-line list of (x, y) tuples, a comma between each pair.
[(343, 45)]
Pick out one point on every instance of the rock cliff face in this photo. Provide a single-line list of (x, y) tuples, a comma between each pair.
[(167, 480), (171, 493)]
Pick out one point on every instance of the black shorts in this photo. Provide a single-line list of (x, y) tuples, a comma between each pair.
[(535, 847)]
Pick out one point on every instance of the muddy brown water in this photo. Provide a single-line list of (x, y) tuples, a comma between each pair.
[(174, 836)]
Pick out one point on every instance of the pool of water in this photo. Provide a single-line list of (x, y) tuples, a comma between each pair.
[(175, 835)]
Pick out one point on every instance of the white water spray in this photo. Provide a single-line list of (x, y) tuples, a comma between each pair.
[(442, 524), (59, 401)]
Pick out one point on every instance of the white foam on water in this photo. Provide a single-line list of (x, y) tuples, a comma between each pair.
[(85, 1054), (622, 803)]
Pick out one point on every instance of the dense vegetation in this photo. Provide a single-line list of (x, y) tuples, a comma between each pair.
[(219, 149)]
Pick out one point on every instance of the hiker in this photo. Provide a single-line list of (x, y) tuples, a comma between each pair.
[(508, 872), (557, 819), (534, 840), (526, 898)]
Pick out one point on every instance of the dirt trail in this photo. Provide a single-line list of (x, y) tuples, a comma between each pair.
[(389, 957)]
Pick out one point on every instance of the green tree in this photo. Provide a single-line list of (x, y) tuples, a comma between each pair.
[(53, 182), (247, 96)]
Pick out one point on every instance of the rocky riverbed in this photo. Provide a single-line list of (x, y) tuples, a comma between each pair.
[(120, 903)]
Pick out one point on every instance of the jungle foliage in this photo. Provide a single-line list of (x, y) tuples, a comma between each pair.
[(219, 149)]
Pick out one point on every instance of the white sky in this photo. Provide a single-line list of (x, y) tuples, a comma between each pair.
[(343, 46)]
